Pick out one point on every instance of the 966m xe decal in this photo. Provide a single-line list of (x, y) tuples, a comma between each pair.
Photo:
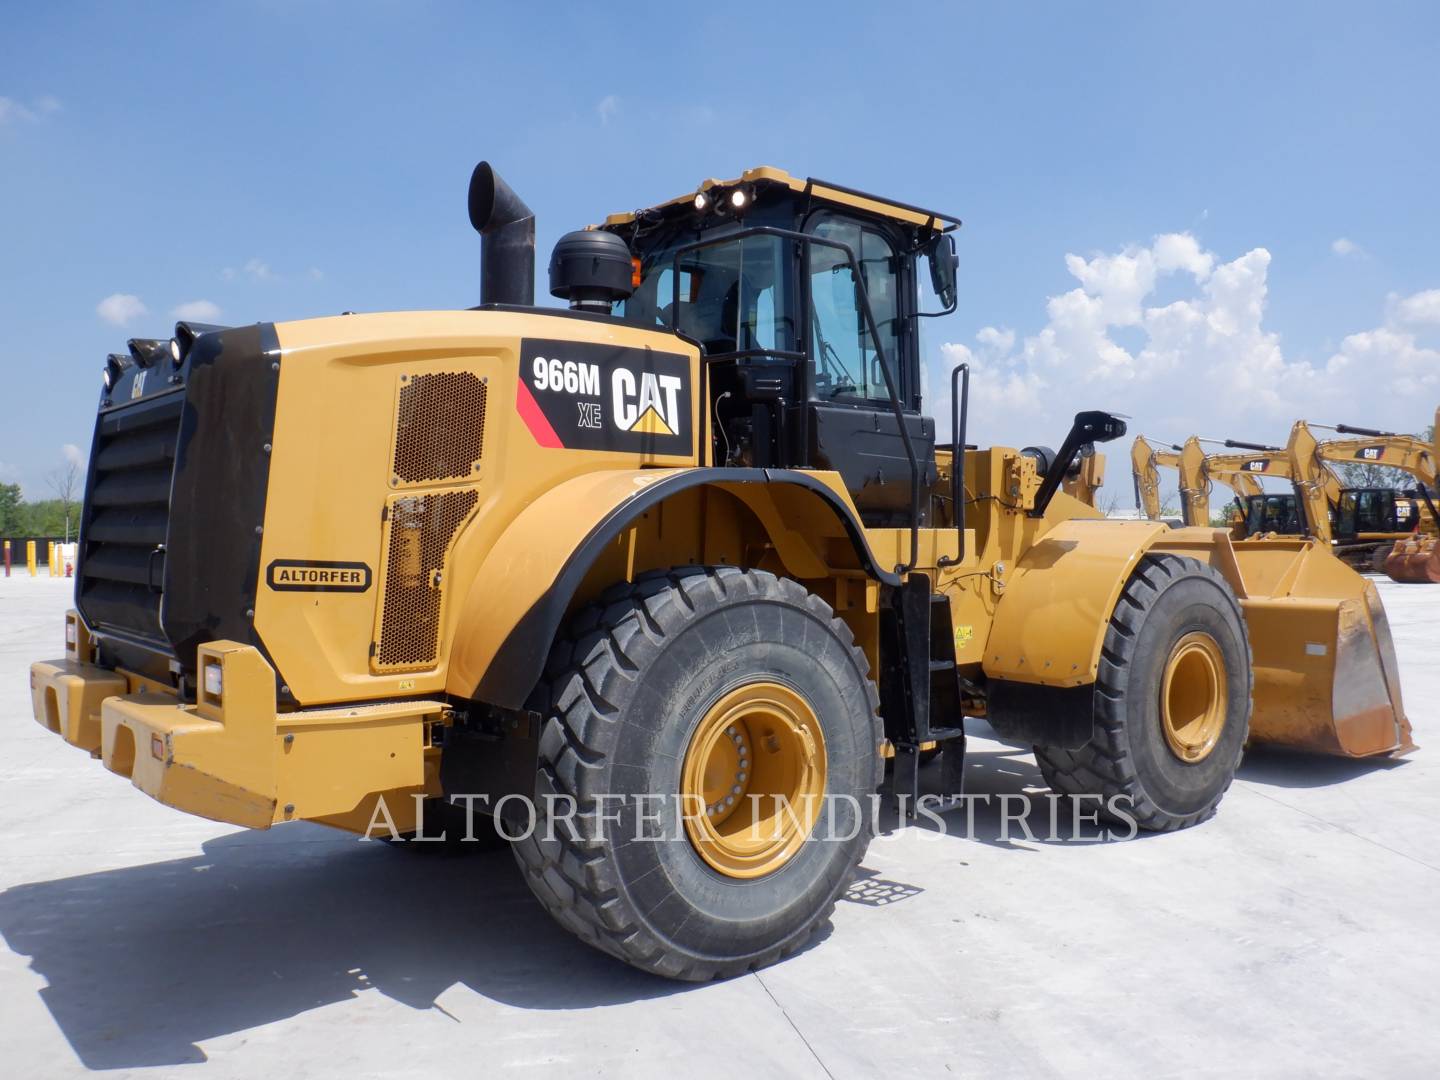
[(584, 396)]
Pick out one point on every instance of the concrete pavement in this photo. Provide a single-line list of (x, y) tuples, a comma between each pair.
[(1294, 934)]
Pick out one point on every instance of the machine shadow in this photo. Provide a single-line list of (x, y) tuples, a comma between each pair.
[(1007, 804), (146, 962), (1296, 769)]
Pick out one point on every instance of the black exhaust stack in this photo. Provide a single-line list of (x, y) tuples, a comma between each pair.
[(507, 248)]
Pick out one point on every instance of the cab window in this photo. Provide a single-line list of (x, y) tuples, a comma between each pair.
[(844, 360), (732, 296)]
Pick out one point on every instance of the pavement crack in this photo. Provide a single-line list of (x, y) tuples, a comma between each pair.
[(1343, 828), (793, 1026)]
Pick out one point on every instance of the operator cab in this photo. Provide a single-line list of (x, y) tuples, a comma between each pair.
[(803, 298), (1372, 510), (1272, 512)]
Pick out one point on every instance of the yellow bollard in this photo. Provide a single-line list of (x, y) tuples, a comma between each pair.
[(54, 558), (30, 556)]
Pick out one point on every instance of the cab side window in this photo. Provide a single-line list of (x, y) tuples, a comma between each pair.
[(845, 363)]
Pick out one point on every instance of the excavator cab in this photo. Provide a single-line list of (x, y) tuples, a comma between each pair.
[(1370, 510), (1272, 513)]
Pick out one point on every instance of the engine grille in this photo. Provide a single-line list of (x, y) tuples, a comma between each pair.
[(126, 518), (420, 529), (439, 427)]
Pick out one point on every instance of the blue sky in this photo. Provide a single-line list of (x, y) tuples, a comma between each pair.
[(1246, 193)]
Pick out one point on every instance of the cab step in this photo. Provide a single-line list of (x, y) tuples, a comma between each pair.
[(920, 685)]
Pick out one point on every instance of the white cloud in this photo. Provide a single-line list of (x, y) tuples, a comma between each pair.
[(607, 107), (73, 454), (197, 311), (255, 269), (1204, 363), (120, 308), (1423, 307), (1181, 251), (12, 112), (15, 112), (315, 274), (1345, 246)]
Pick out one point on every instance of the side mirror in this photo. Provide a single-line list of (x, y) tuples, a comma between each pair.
[(940, 251)]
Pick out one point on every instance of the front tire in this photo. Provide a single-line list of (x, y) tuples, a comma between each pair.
[(1171, 701), (695, 682)]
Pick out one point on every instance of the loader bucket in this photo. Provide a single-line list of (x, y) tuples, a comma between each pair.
[(1415, 561), (1326, 679)]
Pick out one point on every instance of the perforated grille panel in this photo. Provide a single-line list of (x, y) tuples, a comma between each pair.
[(439, 427), (421, 528)]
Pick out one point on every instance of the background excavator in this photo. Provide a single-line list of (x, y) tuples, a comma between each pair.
[(1376, 528), (1258, 511), (1407, 550), (1146, 461)]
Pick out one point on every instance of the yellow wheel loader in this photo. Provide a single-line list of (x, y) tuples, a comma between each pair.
[(656, 580)]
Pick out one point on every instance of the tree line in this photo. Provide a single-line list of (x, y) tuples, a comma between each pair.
[(57, 517), (43, 517)]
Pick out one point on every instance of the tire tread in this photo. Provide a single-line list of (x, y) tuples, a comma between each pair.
[(570, 875)]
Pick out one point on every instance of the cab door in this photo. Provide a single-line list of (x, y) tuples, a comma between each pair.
[(852, 427)]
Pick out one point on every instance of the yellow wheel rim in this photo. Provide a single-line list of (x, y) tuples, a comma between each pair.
[(1192, 699), (753, 781)]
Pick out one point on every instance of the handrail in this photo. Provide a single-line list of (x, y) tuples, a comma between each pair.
[(959, 422)]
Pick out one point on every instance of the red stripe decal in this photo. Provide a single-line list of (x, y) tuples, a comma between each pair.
[(534, 419)]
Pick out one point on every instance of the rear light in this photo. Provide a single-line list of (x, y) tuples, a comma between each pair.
[(70, 633), (214, 680)]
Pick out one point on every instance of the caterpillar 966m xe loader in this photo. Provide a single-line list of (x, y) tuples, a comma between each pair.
[(684, 554)]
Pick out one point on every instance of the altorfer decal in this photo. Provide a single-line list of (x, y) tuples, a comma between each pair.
[(317, 575), (585, 396)]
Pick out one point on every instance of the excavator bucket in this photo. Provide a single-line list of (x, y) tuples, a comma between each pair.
[(1415, 561), (1326, 679)]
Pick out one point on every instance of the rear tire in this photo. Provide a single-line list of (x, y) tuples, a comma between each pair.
[(630, 692), (1171, 701)]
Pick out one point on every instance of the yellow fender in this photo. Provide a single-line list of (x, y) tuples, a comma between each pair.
[(1323, 660), (1050, 621), (530, 578)]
